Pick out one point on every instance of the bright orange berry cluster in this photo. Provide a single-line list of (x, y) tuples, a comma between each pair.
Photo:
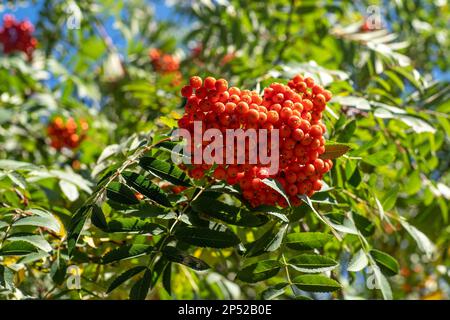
[(66, 134), (17, 36), (295, 109)]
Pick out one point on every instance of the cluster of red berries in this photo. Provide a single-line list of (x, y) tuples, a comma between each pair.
[(295, 109), (66, 134), (17, 36), (166, 64)]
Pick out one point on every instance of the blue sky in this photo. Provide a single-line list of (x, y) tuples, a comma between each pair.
[(31, 12), (162, 12)]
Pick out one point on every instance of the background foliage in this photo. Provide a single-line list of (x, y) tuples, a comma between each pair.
[(380, 229)]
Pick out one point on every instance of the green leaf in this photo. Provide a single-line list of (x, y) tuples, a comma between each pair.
[(158, 270), (364, 225), (205, 237), (6, 277), (69, 189), (274, 291), (165, 171), (388, 265), (126, 252), (176, 255), (307, 240), (3, 224), (358, 262), (259, 271), (98, 218), (227, 213), (17, 248), (58, 270), (275, 185), (16, 165), (347, 132), (36, 240), (381, 283), (146, 187), (124, 277), (32, 257), (18, 179), (390, 198), (40, 218), (167, 279), (353, 101), (76, 226), (135, 225), (268, 242), (334, 150), (423, 242), (140, 289), (316, 283), (312, 263), (273, 211), (380, 158), (121, 193)]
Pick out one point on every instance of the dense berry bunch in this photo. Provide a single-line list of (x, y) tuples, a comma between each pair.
[(166, 64), (162, 62), (17, 36), (66, 134), (295, 109)]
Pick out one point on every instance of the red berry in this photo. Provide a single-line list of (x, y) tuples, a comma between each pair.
[(221, 85), (186, 91), (210, 83), (253, 116), (195, 82), (315, 131)]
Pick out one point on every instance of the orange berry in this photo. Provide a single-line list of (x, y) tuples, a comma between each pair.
[(195, 82), (210, 83), (221, 85)]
